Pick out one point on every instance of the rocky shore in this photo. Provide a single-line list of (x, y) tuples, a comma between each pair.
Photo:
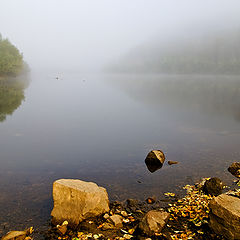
[(209, 210)]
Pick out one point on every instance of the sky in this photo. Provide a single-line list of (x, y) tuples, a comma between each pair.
[(89, 34)]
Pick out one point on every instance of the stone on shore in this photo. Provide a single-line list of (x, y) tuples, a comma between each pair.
[(225, 216), (76, 200), (116, 220), (153, 222), (213, 186), (234, 169), (154, 160)]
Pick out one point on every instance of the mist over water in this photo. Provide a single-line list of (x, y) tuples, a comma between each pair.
[(97, 102)]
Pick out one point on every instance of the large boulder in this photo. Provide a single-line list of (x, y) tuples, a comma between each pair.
[(225, 216), (76, 200), (153, 222), (154, 160), (234, 169)]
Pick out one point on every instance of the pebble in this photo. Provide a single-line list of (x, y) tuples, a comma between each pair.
[(106, 216), (124, 213)]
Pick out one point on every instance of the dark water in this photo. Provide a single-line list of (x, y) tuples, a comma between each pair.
[(100, 128)]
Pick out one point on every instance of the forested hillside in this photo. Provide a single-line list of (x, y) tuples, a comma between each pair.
[(212, 53), (11, 60)]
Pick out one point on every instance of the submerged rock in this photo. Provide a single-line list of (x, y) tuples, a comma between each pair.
[(18, 235), (170, 162), (154, 160), (213, 186), (76, 200), (153, 222), (234, 169), (15, 235), (225, 216)]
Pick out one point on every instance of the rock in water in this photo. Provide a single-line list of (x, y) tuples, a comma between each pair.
[(153, 222), (213, 186), (234, 169), (18, 235), (76, 200), (15, 235), (154, 160), (225, 216), (170, 162)]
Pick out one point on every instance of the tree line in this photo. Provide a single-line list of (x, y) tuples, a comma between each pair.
[(11, 60)]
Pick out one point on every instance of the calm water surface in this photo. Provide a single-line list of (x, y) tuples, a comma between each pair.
[(100, 128)]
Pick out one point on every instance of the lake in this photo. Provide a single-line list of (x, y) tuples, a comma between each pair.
[(100, 127)]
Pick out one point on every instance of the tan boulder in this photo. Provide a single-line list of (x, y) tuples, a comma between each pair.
[(153, 222), (76, 200), (225, 216)]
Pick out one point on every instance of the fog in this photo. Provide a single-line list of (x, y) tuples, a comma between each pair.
[(87, 35)]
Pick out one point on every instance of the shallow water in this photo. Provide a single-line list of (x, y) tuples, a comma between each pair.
[(99, 128)]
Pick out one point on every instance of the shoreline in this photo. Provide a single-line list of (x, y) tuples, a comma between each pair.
[(182, 223)]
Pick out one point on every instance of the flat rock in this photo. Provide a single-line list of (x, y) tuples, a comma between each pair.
[(234, 169), (76, 200), (154, 160), (225, 216), (153, 222), (15, 235)]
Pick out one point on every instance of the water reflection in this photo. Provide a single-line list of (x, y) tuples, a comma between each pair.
[(215, 95), (11, 95)]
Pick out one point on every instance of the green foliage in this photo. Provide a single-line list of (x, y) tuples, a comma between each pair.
[(11, 97), (11, 61)]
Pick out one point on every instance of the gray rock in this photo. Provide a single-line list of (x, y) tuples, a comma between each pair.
[(234, 169), (225, 216), (154, 160), (76, 200), (213, 186), (153, 222)]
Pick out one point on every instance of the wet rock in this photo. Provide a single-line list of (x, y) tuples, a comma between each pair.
[(76, 200), (172, 162), (234, 169), (116, 220), (213, 186), (153, 222), (15, 235), (225, 216), (151, 200), (154, 160)]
